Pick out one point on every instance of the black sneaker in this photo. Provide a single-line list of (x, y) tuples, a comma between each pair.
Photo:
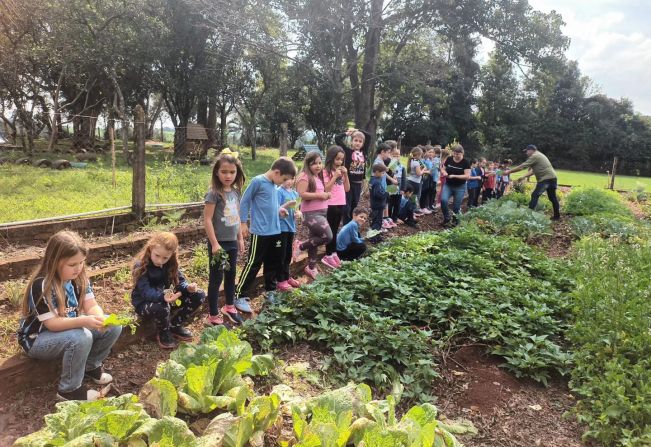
[(166, 340), (81, 393), (98, 376), (181, 333), (556, 218), (448, 223), (233, 317), (412, 223)]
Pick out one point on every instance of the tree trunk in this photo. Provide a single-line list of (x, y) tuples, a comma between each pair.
[(180, 137), (283, 139), (138, 187), (211, 126), (367, 118), (223, 126), (152, 120), (254, 143)]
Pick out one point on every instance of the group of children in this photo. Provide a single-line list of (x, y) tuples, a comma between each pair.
[(488, 181), (62, 319)]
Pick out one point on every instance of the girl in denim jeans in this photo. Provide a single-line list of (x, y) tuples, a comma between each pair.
[(61, 318)]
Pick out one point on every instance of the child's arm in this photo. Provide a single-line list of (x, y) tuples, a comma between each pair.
[(245, 205), (184, 285), (208, 212), (340, 140), (301, 187), (333, 178), (344, 173)]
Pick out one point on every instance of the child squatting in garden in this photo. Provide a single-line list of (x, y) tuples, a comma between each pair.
[(61, 318), (221, 219), (350, 244), (161, 292)]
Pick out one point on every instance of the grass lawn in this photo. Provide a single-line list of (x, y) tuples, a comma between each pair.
[(27, 192)]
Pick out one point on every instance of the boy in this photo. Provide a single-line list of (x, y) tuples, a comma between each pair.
[(378, 195), (490, 183), (350, 245), (436, 174), (400, 177), (407, 207), (356, 164), (384, 157), (260, 200)]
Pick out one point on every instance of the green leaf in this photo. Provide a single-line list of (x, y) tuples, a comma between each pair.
[(159, 397)]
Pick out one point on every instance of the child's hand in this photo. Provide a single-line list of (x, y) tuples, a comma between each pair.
[(343, 170), (244, 229), (283, 212), (240, 245), (325, 195), (298, 215), (171, 297), (192, 287), (216, 248), (93, 322), (289, 204)]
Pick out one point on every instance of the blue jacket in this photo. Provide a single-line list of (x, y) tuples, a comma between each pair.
[(261, 200), (151, 285), (475, 172), (378, 193), (349, 233), (287, 224)]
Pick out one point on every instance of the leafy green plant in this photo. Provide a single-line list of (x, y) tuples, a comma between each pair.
[(199, 265), (107, 422), (612, 341), (123, 275), (506, 217), (123, 319), (378, 321), (592, 201), (14, 291)]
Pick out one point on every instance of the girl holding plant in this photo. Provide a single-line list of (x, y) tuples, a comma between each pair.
[(61, 318), (221, 219), (161, 292)]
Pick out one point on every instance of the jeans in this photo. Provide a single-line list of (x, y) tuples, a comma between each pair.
[(82, 350), (550, 186), (457, 193)]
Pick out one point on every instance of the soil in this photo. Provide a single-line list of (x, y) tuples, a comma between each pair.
[(506, 410)]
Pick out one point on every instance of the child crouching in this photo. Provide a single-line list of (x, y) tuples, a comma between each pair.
[(350, 245), (161, 292)]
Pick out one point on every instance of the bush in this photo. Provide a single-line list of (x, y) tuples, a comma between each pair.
[(612, 341), (506, 217), (592, 201)]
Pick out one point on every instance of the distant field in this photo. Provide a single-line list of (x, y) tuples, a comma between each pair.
[(575, 178)]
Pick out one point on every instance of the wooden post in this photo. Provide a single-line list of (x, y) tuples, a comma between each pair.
[(612, 177), (162, 131), (283, 139), (138, 188), (112, 138)]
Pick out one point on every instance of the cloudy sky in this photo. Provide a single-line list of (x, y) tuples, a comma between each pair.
[(611, 40)]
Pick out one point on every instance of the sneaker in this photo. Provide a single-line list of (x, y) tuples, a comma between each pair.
[(294, 283), (214, 320), (166, 340), (447, 223), (81, 393), (181, 333), (386, 225), (425, 211), (232, 314), (296, 249), (335, 256), (556, 218), (271, 297), (412, 223), (284, 286), (243, 304), (417, 214), (327, 260), (312, 273), (392, 223), (98, 376)]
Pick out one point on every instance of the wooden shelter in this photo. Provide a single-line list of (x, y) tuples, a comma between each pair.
[(196, 141)]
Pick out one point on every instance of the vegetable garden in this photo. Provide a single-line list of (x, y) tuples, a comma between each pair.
[(385, 330)]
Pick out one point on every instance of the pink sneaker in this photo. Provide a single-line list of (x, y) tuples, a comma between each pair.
[(214, 320), (327, 260), (294, 283), (335, 256), (296, 249), (312, 273), (284, 286), (386, 224)]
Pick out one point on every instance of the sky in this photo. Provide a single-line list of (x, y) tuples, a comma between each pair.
[(611, 40)]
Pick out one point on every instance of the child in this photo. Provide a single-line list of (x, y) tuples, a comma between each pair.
[(314, 206), (415, 170), (445, 154), (474, 184), (427, 186), (384, 157), (505, 179), (287, 197), (350, 244), (490, 183), (335, 176), (436, 175), (408, 206), (260, 205), (161, 292), (355, 164), (378, 195), (221, 218), (400, 177), (60, 318)]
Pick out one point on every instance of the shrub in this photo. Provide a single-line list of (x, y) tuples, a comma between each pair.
[(506, 217), (592, 201)]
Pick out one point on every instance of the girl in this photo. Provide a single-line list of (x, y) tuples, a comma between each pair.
[(161, 292), (314, 205), (415, 170), (445, 154), (62, 319), (355, 163), (336, 180), (221, 218), (287, 197), (399, 176), (426, 183)]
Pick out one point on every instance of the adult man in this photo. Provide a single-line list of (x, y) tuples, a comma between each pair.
[(539, 165)]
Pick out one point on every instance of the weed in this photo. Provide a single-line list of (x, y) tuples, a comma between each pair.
[(14, 291)]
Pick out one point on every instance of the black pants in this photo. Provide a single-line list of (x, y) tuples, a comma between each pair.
[(352, 200), (473, 197), (426, 200), (407, 216), (394, 206), (376, 218), (263, 250), (216, 274), (352, 252), (487, 195), (335, 213), (286, 240), (167, 315), (550, 186)]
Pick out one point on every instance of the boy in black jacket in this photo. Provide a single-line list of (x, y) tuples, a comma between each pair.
[(356, 164)]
